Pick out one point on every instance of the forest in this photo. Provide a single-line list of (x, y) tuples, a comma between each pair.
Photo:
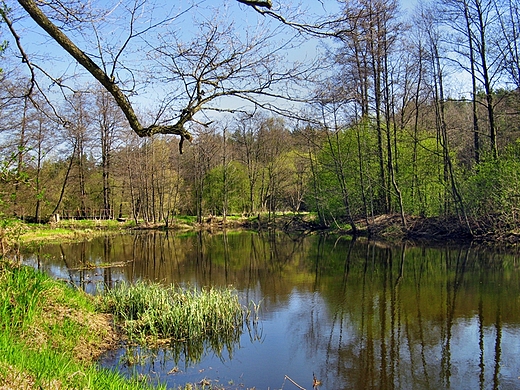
[(349, 110)]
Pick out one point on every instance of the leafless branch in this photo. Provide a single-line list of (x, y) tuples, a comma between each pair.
[(262, 3), (84, 60), (25, 59), (327, 28)]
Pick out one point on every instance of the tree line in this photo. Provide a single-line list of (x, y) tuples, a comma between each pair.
[(417, 116)]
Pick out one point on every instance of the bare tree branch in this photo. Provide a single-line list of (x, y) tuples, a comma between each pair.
[(206, 70), (109, 83), (326, 28), (32, 82), (264, 3)]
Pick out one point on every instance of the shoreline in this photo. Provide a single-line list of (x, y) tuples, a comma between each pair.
[(387, 228)]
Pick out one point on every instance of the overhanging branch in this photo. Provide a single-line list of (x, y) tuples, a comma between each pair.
[(264, 4), (84, 60)]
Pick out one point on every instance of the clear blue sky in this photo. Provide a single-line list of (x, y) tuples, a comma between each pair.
[(47, 53)]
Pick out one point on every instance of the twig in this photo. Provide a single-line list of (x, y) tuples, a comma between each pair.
[(294, 383)]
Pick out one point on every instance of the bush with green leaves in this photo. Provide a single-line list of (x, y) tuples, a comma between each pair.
[(492, 191)]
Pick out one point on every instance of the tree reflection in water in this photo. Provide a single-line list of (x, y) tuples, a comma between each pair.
[(358, 314)]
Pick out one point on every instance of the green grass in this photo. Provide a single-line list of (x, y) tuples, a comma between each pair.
[(198, 318), (21, 367), (187, 219), (94, 224), (69, 230), (174, 312), (50, 335)]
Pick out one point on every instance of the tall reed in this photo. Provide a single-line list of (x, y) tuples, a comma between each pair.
[(211, 316)]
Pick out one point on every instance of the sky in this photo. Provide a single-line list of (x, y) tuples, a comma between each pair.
[(38, 44), (53, 59)]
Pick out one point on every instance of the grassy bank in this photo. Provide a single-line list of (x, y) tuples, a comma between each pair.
[(52, 334), (14, 231), (70, 230)]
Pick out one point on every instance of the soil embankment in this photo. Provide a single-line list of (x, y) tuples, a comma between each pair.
[(389, 227)]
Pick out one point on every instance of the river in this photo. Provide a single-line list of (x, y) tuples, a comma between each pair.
[(354, 314)]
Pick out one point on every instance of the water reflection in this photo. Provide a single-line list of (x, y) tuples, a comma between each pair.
[(357, 314)]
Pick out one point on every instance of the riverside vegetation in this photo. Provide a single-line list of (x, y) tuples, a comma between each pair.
[(152, 314), (52, 334), (406, 150)]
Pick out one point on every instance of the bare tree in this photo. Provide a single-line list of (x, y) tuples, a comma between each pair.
[(44, 141), (438, 72), (508, 40), (369, 42), (109, 122), (79, 134), (218, 64), (249, 150), (473, 23)]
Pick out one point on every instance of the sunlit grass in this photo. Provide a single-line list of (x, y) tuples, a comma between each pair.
[(50, 335), (94, 224), (174, 312), (69, 230), (187, 219), (24, 368)]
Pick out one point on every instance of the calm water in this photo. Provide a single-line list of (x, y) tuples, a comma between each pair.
[(358, 315)]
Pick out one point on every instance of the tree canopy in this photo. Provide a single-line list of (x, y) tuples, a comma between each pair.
[(346, 109)]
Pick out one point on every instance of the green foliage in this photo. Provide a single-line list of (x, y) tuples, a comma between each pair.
[(493, 190), (218, 191), (349, 170), (294, 179), (41, 322), (341, 157), (419, 172), (348, 164), (9, 173)]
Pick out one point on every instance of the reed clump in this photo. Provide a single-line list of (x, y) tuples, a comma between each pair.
[(177, 314)]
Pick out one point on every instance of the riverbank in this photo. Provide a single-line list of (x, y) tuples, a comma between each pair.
[(51, 335), (388, 227)]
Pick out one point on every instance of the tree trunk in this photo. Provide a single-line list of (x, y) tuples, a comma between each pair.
[(62, 192), (476, 141)]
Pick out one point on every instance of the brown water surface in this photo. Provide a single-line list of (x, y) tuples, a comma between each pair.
[(358, 315)]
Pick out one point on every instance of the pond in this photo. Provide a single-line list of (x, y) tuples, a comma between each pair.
[(354, 314)]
